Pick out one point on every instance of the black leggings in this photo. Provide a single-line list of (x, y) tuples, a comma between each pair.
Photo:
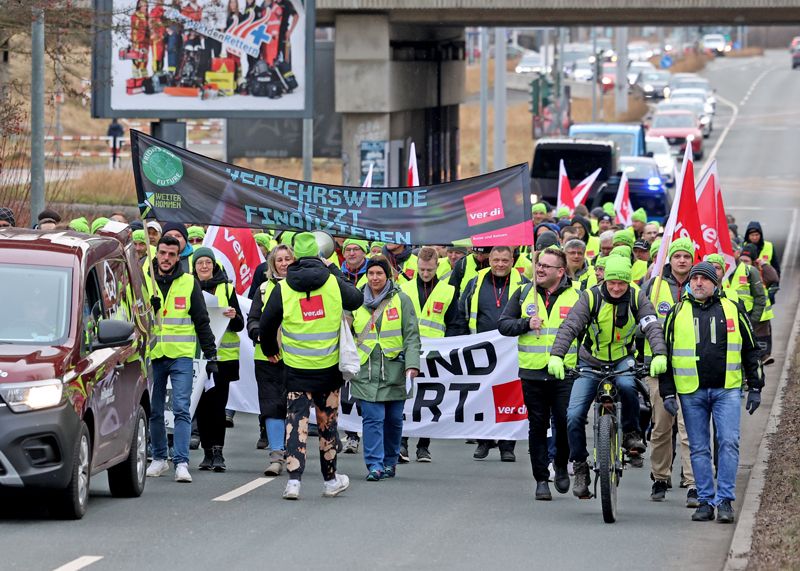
[(210, 413)]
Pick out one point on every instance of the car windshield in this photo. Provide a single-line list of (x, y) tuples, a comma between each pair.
[(624, 141), (693, 85), (609, 68), (531, 59), (670, 120), (654, 76), (658, 146), (639, 170), (36, 304), (579, 163)]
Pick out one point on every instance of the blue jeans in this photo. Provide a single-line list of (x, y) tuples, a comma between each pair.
[(180, 373), (382, 426), (724, 406), (584, 389)]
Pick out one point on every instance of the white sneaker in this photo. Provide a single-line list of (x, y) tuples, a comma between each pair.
[(182, 473), (336, 486), (292, 490), (157, 468)]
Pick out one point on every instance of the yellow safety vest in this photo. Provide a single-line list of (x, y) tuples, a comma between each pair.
[(443, 269), (662, 306), (174, 330), (638, 271), (684, 358), (609, 342), (266, 291), (524, 266), (592, 247), (311, 321), (387, 330), (228, 349), (766, 252), (470, 271), (533, 350), (586, 280), (514, 280), (430, 317)]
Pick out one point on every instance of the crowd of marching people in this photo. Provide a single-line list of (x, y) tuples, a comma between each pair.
[(587, 293)]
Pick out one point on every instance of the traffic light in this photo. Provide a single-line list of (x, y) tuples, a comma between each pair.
[(535, 91), (547, 92)]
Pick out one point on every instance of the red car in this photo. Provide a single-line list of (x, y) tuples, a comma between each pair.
[(679, 127), (608, 77), (74, 366)]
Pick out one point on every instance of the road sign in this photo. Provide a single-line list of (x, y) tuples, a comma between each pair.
[(666, 61)]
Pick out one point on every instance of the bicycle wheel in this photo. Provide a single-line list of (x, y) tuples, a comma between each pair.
[(607, 456)]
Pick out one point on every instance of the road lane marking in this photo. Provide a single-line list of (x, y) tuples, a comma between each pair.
[(242, 490), (79, 563)]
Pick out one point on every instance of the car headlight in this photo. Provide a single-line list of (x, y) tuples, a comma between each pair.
[(606, 80), (666, 92), (690, 138), (704, 120), (648, 87), (33, 395)]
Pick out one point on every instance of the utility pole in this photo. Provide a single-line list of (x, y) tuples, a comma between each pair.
[(595, 79), (37, 113), (308, 148), (499, 98), (484, 160), (621, 87)]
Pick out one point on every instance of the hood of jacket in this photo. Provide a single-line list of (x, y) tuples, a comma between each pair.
[(754, 227), (586, 226), (307, 274), (550, 226)]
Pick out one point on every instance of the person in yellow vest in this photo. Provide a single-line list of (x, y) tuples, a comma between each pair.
[(270, 377), (533, 314), (641, 255), (583, 228), (639, 218), (600, 268), (387, 336), (402, 260), (479, 308), (307, 306), (522, 263), (711, 350), (726, 290), (578, 269), (181, 323), (140, 244), (154, 232), (375, 248), (468, 267), (762, 328), (210, 413), (766, 250), (436, 306), (746, 282), (181, 234), (354, 268), (673, 280), (606, 317), (196, 236)]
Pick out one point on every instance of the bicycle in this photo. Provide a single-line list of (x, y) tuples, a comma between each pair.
[(609, 457)]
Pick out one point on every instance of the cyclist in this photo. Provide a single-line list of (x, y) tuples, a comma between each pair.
[(604, 321)]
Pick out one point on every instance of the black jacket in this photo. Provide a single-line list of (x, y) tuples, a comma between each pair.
[(305, 275), (236, 324), (712, 356), (488, 312), (776, 262), (512, 324), (197, 309), (259, 277), (460, 268)]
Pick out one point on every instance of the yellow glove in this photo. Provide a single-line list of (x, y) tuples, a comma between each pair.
[(555, 366), (658, 366)]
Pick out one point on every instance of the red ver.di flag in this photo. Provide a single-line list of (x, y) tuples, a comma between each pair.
[(565, 197), (687, 223), (622, 203), (237, 251), (711, 213)]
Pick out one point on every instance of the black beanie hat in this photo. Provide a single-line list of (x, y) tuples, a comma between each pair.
[(704, 269), (176, 226), (750, 250), (381, 263)]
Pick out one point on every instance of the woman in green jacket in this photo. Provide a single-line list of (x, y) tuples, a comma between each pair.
[(387, 336)]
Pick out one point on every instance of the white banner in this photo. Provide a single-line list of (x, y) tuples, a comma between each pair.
[(468, 388)]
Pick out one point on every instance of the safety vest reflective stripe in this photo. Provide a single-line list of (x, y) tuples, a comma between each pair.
[(385, 331), (514, 281), (178, 339), (326, 336), (310, 352), (684, 355), (431, 324), (228, 349), (434, 309), (176, 321), (543, 349)]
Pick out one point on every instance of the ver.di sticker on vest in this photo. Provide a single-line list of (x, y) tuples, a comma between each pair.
[(438, 307), (391, 314), (180, 303), (313, 308)]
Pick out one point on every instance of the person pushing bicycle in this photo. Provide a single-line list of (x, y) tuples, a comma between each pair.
[(604, 321)]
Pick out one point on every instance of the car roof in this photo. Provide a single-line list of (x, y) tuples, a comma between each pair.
[(561, 141), (673, 112), (605, 127), (638, 160), (55, 247)]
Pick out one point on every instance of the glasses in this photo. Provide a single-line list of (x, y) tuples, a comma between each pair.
[(540, 266), (196, 241), (352, 249)]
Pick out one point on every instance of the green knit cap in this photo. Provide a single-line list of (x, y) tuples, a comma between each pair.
[(139, 236), (363, 244), (98, 223), (715, 259), (196, 232), (624, 238), (263, 239), (681, 245), (378, 244), (654, 247), (618, 268), (203, 252), (639, 215), (80, 225), (540, 208), (286, 238), (621, 251), (305, 246), (600, 262), (608, 207), (562, 212)]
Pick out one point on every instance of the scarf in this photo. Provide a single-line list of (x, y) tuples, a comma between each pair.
[(371, 300)]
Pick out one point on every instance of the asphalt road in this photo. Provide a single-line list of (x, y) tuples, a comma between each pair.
[(455, 512)]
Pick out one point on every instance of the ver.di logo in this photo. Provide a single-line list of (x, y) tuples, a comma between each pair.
[(162, 167)]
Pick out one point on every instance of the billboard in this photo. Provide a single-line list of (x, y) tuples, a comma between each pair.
[(204, 58)]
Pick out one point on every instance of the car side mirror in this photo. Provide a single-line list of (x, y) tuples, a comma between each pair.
[(113, 333)]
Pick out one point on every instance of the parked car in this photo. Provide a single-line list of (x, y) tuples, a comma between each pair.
[(664, 159), (680, 128), (608, 76), (581, 158), (629, 137), (653, 82), (74, 367)]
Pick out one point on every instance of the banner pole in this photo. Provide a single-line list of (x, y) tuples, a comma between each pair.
[(156, 314)]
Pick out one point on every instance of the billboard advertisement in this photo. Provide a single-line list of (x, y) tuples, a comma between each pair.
[(205, 58)]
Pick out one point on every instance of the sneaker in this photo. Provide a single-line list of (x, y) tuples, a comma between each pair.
[(481, 452), (580, 487), (218, 461), (725, 513), (194, 442), (389, 472), (633, 443), (543, 492), (182, 473), (263, 442), (659, 493), (423, 455), (704, 512), (157, 468), (334, 487), (208, 459), (374, 476), (277, 460), (292, 490), (507, 456), (404, 459), (561, 480), (351, 446), (691, 498), (228, 421)]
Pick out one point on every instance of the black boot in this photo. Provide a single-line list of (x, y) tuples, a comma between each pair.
[(561, 481), (582, 480), (482, 451), (263, 441), (217, 461), (208, 458)]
